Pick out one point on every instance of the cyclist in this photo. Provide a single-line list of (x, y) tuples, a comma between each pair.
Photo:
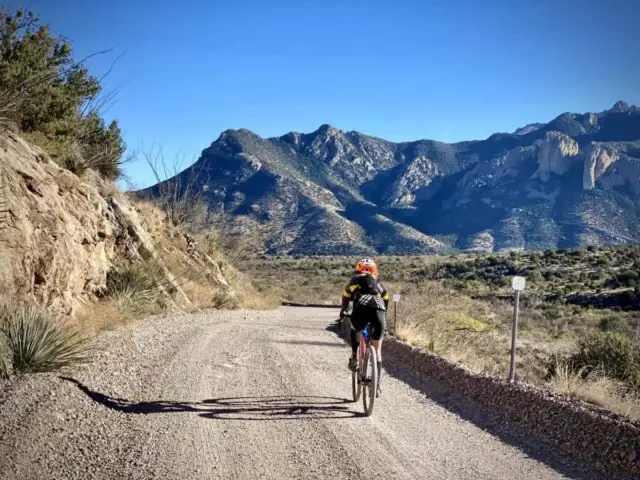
[(370, 301)]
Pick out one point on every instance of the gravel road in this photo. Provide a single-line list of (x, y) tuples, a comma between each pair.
[(238, 395)]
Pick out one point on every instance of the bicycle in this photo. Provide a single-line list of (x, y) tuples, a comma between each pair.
[(365, 378)]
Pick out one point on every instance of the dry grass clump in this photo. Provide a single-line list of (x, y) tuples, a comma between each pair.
[(200, 295), (140, 288), (133, 290), (595, 388), (450, 325), (98, 315), (5, 366), (250, 297), (200, 266)]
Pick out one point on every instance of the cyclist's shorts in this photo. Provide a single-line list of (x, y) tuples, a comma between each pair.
[(363, 315)]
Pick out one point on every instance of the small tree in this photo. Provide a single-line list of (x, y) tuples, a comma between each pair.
[(44, 90)]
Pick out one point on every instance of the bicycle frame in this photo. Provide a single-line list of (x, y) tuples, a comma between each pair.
[(364, 343)]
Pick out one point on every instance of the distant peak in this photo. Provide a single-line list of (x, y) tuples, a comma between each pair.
[(620, 106), (241, 131), (326, 128), (238, 133)]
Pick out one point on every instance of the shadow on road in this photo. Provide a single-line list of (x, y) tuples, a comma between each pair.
[(289, 407), (490, 421), (338, 325), (312, 342)]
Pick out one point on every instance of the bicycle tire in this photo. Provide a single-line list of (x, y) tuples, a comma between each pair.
[(356, 377), (356, 386), (370, 387)]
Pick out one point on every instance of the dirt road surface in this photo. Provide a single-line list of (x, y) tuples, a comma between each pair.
[(245, 395)]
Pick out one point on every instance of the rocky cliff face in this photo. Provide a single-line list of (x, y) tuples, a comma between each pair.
[(557, 153), (60, 235), (571, 181), (598, 158)]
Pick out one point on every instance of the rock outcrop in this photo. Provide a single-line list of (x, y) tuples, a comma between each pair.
[(60, 235), (418, 175), (557, 154), (598, 159)]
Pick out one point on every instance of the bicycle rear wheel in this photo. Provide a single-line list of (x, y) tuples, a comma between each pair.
[(370, 380)]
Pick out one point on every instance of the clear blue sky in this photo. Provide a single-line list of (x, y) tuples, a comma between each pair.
[(398, 69)]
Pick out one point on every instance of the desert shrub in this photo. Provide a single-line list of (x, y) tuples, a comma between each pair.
[(578, 253), (38, 344), (179, 193), (614, 354), (138, 287), (53, 99), (223, 300), (611, 323), (212, 242)]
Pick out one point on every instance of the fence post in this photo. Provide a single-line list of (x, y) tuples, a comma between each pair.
[(395, 317), (517, 284)]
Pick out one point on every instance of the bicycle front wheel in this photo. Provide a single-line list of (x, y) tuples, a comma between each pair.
[(370, 380)]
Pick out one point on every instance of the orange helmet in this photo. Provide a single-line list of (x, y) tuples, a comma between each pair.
[(367, 265)]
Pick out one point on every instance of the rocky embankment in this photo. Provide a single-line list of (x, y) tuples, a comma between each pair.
[(60, 234)]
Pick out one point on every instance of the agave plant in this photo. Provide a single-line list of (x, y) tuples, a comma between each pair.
[(38, 344)]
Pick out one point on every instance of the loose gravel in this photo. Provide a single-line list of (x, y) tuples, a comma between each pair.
[(235, 395)]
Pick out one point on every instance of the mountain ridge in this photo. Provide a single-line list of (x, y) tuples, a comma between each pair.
[(572, 181)]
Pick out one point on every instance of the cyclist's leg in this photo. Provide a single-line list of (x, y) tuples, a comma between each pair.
[(378, 325), (358, 322)]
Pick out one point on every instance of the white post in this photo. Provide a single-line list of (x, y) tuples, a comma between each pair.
[(518, 285), (396, 299)]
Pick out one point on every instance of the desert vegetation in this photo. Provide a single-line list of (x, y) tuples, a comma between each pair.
[(30, 341), (50, 99)]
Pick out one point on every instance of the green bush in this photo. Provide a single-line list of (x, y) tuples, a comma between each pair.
[(139, 286), (37, 344), (52, 98), (612, 353)]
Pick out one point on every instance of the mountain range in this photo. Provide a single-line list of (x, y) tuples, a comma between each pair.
[(573, 181)]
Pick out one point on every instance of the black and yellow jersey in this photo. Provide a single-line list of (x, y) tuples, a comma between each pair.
[(365, 290)]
